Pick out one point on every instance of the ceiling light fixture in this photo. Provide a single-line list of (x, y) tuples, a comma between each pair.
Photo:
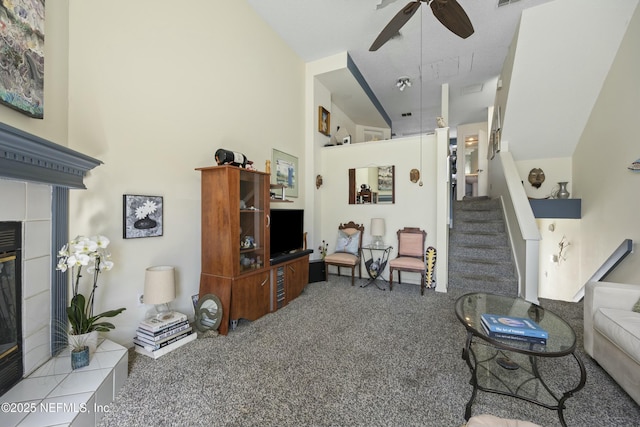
[(403, 82)]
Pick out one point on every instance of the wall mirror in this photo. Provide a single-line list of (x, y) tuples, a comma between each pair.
[(372, 185), (208, 313)]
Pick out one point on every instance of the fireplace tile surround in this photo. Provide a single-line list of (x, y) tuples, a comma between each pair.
[(30, 203)]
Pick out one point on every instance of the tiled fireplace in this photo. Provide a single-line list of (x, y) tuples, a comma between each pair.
[(30, 204), (35, 178)]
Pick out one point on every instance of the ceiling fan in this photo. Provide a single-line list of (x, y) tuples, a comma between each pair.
[(448, 12)]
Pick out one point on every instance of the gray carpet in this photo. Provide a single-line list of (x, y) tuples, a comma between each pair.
[(346, 356)]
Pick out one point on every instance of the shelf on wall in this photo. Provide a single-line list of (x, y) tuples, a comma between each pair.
[(556, 208), (279, 187)]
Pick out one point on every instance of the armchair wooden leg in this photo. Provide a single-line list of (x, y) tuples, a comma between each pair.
[(353, 276), (390, 280)]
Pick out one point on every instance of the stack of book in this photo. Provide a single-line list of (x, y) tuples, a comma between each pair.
[(514, 328), (157, 337)]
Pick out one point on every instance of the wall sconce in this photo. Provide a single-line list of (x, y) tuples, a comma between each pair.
[(562, 248), (318, 181), (403, 83), (159, 290)]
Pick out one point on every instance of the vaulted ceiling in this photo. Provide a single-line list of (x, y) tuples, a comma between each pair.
[(424, 50)]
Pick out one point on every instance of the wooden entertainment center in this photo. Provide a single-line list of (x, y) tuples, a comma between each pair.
[(236, 264)]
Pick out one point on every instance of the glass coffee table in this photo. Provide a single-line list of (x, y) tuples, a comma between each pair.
[(516, 368)]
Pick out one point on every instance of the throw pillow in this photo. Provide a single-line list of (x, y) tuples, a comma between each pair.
[(636, 307), (348, 243)]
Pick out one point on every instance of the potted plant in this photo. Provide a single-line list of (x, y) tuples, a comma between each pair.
[(79, 353), (84, 324)]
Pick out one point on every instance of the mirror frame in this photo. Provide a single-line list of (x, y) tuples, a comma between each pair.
[(353, 191), (206, 319)]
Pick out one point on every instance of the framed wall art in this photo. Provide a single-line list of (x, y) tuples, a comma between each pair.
[(142, 216), (22, 70), (286, 172), (385, 178), (324, 121)]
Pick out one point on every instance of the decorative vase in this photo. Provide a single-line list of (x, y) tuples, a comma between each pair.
[(563, 193), (145, 223), (80, 357), (89, 339)]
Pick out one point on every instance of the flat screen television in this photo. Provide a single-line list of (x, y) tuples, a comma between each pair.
[(286, 231)]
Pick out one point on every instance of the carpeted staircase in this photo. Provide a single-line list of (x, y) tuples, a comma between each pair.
[(480, 258)]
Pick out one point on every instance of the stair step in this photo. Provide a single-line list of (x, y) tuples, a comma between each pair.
[(476, 214), (483, 283), (493, 268), (480, 225), (481, 204), (482, 238), (479, 251)]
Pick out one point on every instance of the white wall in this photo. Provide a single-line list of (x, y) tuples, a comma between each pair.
[(154, 90), (557, 274), (347, 126), (415, 205), (550, 93), (609, 143)]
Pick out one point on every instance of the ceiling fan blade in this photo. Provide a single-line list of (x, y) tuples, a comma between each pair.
[(395, 24), (452, 16)]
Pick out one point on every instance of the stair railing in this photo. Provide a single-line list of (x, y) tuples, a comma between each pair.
[(522, 229)]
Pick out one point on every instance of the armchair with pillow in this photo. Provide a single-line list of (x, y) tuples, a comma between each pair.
[(347, 252), (612, 331)]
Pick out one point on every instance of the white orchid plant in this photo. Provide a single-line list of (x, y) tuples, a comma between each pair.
[(90, 253)]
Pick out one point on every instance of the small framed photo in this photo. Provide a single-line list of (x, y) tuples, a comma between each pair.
[(142, 216), (324, 121), (346, 140)]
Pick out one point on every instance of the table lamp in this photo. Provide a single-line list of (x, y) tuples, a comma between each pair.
[(159, 290), (377, 231)]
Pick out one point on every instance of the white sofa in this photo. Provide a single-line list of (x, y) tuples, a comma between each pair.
[(612, 332)]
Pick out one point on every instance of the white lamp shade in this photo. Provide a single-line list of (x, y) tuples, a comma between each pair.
[(377, 226), (159, 285)]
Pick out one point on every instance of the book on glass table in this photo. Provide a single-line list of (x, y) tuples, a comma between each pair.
[(513, 326), (521, 338)]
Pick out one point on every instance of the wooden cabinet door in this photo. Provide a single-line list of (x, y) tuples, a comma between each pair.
[(250, 296), (296, 277)]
